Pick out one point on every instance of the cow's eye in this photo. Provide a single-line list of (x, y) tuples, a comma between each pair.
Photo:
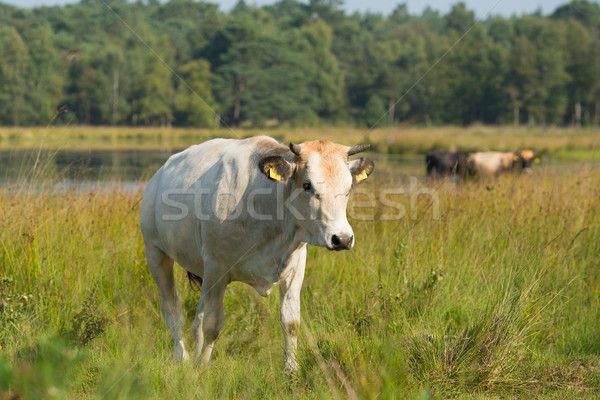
[(307, 187)]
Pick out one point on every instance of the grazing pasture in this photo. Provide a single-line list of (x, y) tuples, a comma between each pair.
[(480, 290)]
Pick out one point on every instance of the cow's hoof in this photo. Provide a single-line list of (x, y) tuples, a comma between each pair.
[(181, 356), (180, 353), (291, 366)]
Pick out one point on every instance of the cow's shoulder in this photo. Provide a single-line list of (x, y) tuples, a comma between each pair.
[(264, 146)]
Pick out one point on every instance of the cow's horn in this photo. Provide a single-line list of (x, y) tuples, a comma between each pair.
[(358, 148), (295, 148)]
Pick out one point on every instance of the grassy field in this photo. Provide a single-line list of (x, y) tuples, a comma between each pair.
[(561, 143), (497, 298)]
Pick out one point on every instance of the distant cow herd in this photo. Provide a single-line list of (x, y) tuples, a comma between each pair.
[(481, 164)]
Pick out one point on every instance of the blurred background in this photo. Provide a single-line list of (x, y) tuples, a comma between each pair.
[(293, 63)]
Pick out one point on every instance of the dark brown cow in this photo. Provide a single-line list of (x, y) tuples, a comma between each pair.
[(446, 163)]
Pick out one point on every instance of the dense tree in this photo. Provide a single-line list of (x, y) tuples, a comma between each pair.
[(266, 79), (460, 19), (546, 86), (13, 80), (194, 104), (184, 62), (583, 49), (324, 71), (43, 75), (584, 11)]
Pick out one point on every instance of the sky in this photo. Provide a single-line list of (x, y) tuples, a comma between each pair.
[(481, 7)]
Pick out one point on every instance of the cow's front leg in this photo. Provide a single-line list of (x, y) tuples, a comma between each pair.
[(210, 317), (198, 334), (289, 291)]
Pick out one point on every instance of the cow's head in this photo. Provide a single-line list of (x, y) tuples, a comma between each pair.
[(523, 161), (321, 176)]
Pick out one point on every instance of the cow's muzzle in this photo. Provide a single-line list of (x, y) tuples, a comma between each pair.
[(341, 242)]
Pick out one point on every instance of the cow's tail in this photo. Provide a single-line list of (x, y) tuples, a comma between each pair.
[(195, 281)]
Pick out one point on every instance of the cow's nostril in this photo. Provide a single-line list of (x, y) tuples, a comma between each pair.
[(335, 240), (340, 242)]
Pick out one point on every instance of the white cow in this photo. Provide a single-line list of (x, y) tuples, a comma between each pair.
[(493, 163), (243, 210)]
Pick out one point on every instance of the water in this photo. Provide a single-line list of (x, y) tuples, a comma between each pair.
[(126, 166), (131, 168), (81, 169)]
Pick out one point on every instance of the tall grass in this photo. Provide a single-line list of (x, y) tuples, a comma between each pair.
[(498, 298)]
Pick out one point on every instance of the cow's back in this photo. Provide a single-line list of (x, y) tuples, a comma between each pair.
[(205, 180), (488, 163), (166, 227)]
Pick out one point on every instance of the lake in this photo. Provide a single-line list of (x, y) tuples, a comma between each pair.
[(131, 168)]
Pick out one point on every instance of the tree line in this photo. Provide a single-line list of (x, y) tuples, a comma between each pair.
[(187, 63)]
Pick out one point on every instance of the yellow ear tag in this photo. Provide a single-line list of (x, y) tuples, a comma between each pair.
[(362, 176), (516, 158), (537, 160), (274, 175)]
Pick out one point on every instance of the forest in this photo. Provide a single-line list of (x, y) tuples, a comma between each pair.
[(292, 63)]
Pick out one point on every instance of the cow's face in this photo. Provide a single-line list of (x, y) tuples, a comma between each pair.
[(524, 160), (322, 178)]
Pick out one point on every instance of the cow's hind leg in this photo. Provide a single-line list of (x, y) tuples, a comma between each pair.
[(210, 316), (161, 267)]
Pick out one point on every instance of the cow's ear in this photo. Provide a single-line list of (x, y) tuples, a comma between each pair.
[(360, 169), (276, 168)]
